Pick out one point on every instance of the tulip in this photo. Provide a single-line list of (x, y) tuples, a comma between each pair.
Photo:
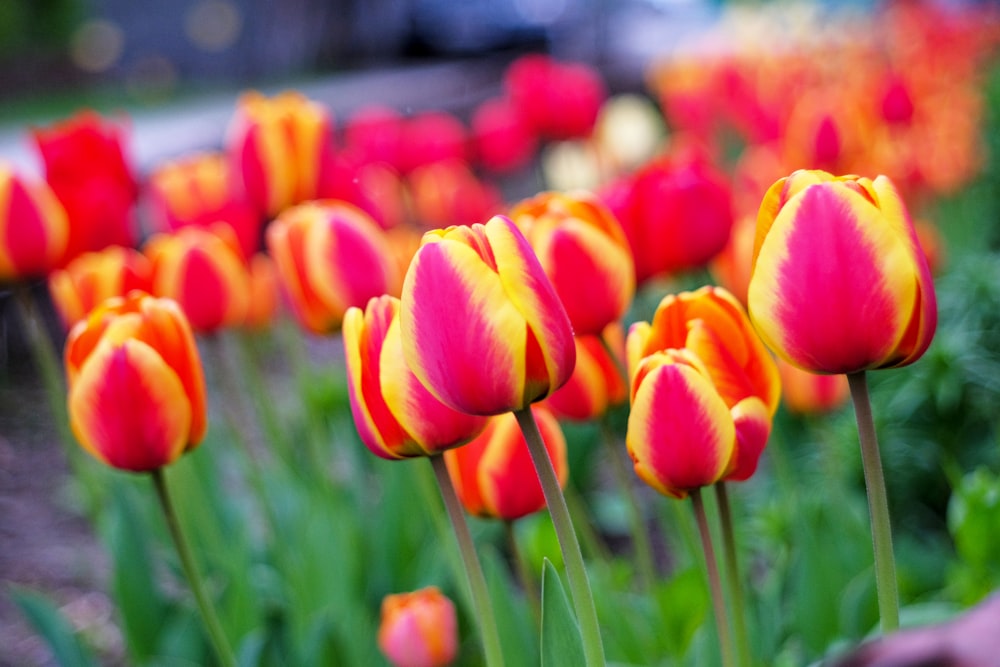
[(93, 277), (33, 228), (203, 270), (810, 393), (558, 100), (265, 292), (432, 136), (87, 168), (584, 252), (483, 329), (375, 134), (597, 383), (494, 475), (201, 190), (681, 434), (279, 146), (419, 629), (330, 255), (676, 213), (502, 140), (136, 388), (839, 283), (396, 417), (448, 192)]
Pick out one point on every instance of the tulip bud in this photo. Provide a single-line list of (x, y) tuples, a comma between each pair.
[(584, 252), (395, 415), (203, 270), (330, 255), (33, 228), (494, 475), (839, 283), (483, 329), (419, 629), (136, 387), (93, 277)]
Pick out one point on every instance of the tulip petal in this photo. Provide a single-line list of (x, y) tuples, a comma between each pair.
[(680, 433), (459, 311), (753, 427), (833, 287), (128, 407)]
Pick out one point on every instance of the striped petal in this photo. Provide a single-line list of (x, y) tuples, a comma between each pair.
[(753, 427), (128, 407), (680, 433), (833, 288)]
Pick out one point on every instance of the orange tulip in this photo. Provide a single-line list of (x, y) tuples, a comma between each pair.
[(419, 629), (92, 277), (33, 228), (136, 387), (265, 292), (493, 474), (811, 393), (597, 383)]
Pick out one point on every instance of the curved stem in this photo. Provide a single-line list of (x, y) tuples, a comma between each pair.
[(576, 573), (714, 581), (878, 504), (212, 626), (640, 538), (733, 574), (473, 569)]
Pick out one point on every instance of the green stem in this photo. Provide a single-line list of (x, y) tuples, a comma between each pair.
[(640, 538), (583, 599), (878, 504), (212, 626), (258, 389), (714, 581), (473, 569), (590, 541), (733, 574), (524, 573)]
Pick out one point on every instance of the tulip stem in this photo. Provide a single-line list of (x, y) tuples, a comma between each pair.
[(714, 581), (878, 504), (212, 625), (473, 569), (733, 574), (524, 572), (640, 538), (576, 573)]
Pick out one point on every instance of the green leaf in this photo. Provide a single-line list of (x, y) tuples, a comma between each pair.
[(515, 625), (561, 641), (52, 626)]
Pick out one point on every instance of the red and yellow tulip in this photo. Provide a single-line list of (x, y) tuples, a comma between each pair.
[(585, 254), (93, 277), (483, 328), (597, 382), (839, 282), (136, 387), (34, 229), (396, 417), (204, 272), (419, 629), (494, 475), (807, 393), (330, 255), (279, 146)]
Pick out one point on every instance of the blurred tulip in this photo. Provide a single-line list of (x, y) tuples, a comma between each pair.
[(374, 187), (584, 253), (33, 228), (676, 212), (330, 255), (494, 475), (483, 328), (279, 146), (87, 168), (396, 417), (93, 277), (839, 283), (432, 136), (419, 629), (558, 100), (712, 325), (200, 190), (448, 192), (375, 134), (681, 434), (597, 382), (265, 292), (630, 131), (204, 272), (136, 388), (827, 130), (503, 142), (731, 267), (808, 393)]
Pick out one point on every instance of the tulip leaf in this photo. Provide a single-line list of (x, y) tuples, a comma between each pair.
[(52, 626), (561, 640), (514, 620)]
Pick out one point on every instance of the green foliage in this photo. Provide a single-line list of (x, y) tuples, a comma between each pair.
[(561, 642), (52, 626), (974, 521)]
